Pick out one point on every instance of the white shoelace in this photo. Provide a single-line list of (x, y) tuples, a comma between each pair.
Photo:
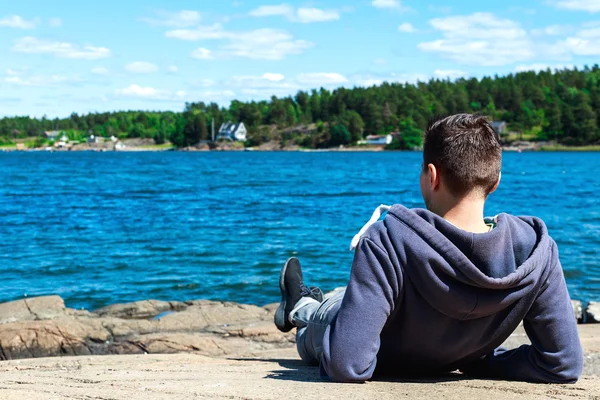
[(374, 218)]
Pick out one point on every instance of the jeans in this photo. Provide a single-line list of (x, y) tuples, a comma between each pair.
[(312, 318)]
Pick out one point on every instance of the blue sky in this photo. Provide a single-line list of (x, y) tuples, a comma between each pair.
[(83, 56)]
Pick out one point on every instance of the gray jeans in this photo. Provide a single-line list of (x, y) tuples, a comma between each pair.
[(312, 318)]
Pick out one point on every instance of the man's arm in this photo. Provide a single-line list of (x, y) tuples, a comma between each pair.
[(555, 355), (351, 341)]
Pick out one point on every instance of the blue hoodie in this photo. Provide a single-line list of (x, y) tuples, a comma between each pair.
[(425, 297)]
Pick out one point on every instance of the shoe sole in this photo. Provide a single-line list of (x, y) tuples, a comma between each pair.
[(280, 320)]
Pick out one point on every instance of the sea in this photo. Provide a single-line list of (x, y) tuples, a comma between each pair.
[(104, 228)]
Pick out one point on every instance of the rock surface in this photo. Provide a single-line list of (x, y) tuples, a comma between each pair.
[(275, 374), (226, 350), (44, 327), (592, 312)]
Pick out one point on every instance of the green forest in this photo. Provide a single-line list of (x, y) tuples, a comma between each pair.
[(563, 106)]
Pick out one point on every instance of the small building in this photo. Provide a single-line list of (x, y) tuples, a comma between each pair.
[(235, 132), (500, 127), (379, 140), (53, 135), (95, 139), (20, 146)]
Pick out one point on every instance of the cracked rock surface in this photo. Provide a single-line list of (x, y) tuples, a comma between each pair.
[(44, 327)]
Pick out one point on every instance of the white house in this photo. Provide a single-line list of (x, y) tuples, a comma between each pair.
[(234, 132), (379, 140)]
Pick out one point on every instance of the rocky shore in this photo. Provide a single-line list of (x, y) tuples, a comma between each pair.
[(44, 327), (155, 350)]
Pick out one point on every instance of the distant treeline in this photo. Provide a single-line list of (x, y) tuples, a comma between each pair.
[(559, 105)]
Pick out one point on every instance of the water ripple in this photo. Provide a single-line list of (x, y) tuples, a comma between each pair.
[(103, 228)]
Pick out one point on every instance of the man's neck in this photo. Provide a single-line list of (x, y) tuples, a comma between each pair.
[(467, 215)]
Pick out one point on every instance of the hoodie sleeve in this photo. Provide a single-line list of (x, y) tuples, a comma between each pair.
[(351, 341), (555, 355)]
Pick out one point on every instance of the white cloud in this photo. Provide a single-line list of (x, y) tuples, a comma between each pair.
[(308, 15), (100, 71), (450, 73), (263, 86), (141, 67), (32, 45), (552, 30), (259, 44), (55, 22), (173, 69), (202, 54), (273, 77), (592, 6), (390, 4), (480, 39), (38, 81), (322, 78), (150, 93), (380, 61), (266, 44), (214, 32), (541, 67), (180, 19), (407, 28), (15, 21), (302, 15), (580, 46), (585, 42), (270, 11)]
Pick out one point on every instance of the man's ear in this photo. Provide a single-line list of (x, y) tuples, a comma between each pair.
[(434, 177), (497, 183)]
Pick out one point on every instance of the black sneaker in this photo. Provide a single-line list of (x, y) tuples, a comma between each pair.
[(292, 290)]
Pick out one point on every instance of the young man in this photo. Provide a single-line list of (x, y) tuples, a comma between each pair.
[(436, 290)]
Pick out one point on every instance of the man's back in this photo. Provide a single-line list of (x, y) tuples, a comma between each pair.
[(441, 299), (440, 289)]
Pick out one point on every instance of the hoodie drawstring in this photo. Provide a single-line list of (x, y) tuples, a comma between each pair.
[(374, 218)]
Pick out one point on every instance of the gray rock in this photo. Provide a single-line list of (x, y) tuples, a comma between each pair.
[(43, 327), (577, 310), (592, 312), (31, 309), (140, 309)]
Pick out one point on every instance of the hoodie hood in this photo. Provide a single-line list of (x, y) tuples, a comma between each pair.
[(465, 275)]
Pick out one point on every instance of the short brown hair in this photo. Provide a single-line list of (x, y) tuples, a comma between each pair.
[(466, 149)]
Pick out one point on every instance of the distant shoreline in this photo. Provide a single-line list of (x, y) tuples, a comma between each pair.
[(158, 149)]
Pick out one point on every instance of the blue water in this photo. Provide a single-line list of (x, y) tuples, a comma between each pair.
[(102, 228)]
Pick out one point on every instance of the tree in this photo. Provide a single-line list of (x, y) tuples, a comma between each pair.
[(585, 126), (355, 124), (195, 128), (410, 138), (553, 124), (340, 135), (556, 104)]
